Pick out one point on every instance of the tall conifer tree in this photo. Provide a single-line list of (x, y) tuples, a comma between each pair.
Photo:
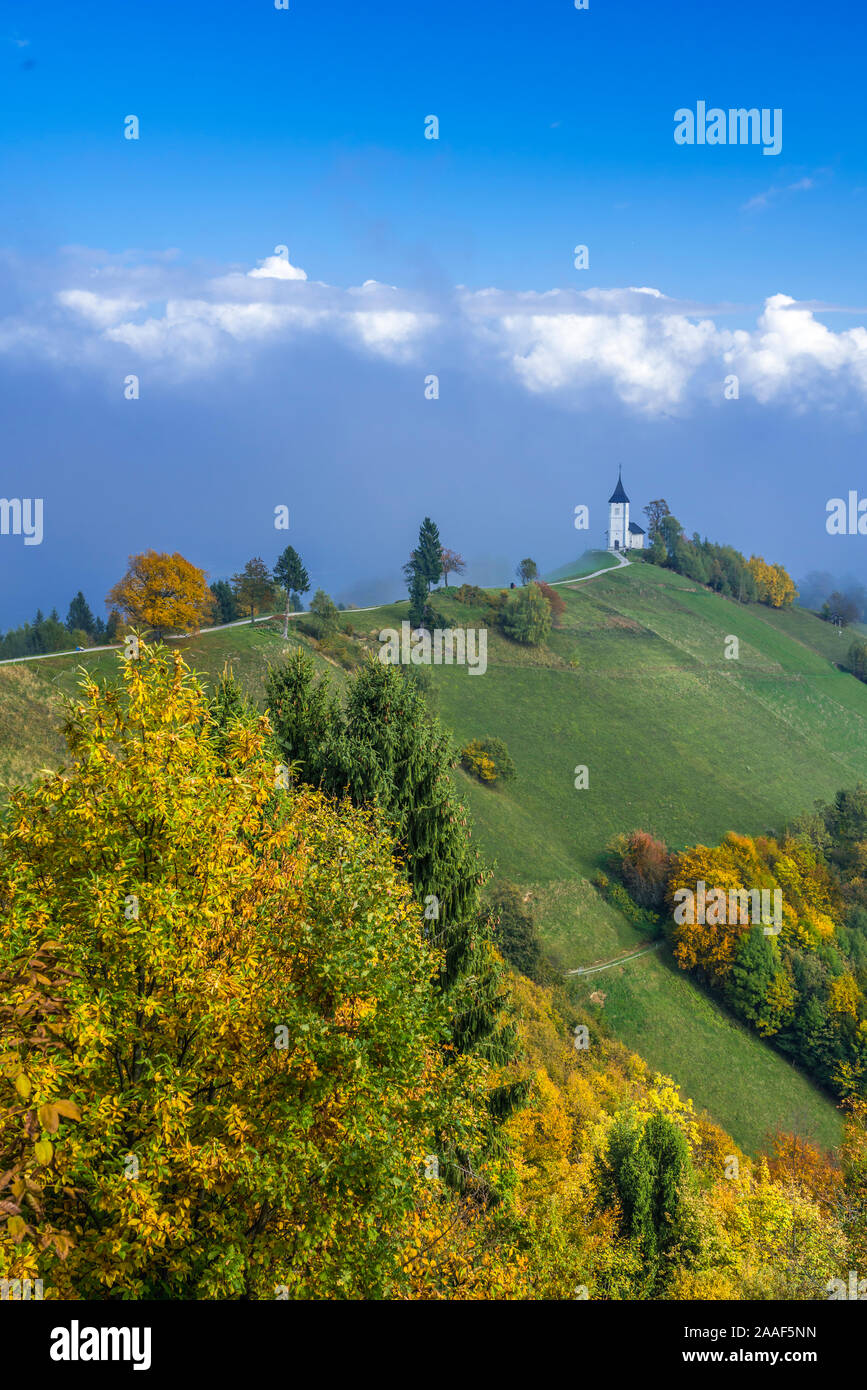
[(384, 748)]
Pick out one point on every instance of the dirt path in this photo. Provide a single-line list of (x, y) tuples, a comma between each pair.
[(618, 960)]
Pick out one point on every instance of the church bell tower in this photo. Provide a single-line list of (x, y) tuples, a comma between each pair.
[(618, 517)]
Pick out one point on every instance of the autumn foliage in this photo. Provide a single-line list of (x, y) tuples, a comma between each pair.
[(163, 593), (221, 1041), (775, 586), (644, 864), (556, 602)]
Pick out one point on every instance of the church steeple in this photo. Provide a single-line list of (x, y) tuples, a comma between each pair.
[(618, 495)]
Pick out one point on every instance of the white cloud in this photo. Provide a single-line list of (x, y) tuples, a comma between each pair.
[(100, 310), (655, 354), (277, 268), (791, 352)]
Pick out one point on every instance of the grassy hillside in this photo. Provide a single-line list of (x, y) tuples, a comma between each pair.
[(589, 563), (679, 740), (30, 693)]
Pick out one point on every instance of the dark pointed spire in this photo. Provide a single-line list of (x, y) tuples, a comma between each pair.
[(618, 495)]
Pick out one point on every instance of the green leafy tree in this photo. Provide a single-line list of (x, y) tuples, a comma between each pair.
[(253, 587), (527, 571), (290, 572), (527, 616), (657, 553), (655, 512), (223, 1060), (324, 618)]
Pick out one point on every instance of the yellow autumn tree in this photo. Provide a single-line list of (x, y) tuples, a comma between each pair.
[(775, 586), (163, 593), (844, 996), (221, 1045)]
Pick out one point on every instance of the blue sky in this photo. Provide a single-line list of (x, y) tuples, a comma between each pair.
[(262, 128)]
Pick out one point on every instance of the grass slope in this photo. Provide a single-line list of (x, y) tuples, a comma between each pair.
[(678, 739), (682, 741), (31, 707)]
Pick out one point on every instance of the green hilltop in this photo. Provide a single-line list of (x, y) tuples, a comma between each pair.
[(635, 685)]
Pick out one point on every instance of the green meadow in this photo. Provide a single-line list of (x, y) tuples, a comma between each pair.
[(678, 738)]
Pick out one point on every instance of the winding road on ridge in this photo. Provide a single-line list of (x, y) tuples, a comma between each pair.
[(241, 622)]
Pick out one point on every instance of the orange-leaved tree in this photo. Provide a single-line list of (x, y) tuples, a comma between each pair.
[(163, 593), (222, 1067)]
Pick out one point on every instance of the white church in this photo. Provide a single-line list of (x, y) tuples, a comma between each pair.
[(623, 534)]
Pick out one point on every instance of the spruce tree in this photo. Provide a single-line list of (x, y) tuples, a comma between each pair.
[(418, 592), (428, 554), (290, 572), (306, 720), (385, 749), (80, 616), (647, 1168), (751, 975), (224, 599)]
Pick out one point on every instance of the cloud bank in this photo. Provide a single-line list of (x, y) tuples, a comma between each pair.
[(651, 353)]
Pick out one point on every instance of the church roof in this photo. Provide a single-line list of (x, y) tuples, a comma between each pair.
[(636, 529), (618, 495)]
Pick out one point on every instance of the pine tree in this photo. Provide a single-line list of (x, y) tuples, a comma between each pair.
[(385, 749), (428, 554), (224, 599), (290, 572), (751, 975), (80, 616), (306, 720), (418, 591)]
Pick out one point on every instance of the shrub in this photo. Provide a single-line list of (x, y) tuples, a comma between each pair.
[(526, 617), (641, 917), (489, 760), (644, 864), (856, 661), (556, 602), (324, 616), (434, 617), (471, 593)]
